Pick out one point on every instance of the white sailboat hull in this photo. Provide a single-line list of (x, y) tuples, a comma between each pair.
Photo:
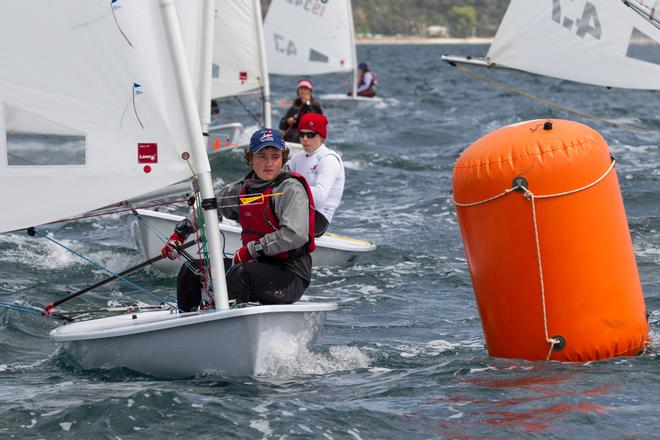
[(331, 249), (234, 137), (348, 100), (239, 342)]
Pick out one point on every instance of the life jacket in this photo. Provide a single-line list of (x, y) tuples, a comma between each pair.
[(258, 218), (374, 81)]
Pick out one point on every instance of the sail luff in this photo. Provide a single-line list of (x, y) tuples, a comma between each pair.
[(206, 64), (263, 64), (353, 48), (200, 160)]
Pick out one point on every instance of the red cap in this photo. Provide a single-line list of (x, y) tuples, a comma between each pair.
[(314, 122), (305, 83)]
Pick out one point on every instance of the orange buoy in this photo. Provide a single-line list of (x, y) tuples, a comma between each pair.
[(548, 245)]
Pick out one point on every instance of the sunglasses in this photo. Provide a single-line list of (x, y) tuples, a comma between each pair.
[(307, 134)]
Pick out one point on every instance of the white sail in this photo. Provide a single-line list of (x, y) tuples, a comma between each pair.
[(309, 37), (588, 41), (237, 67), (89, 108)]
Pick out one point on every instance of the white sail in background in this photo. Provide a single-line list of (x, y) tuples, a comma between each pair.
[(237, 65), (589, 41), (118, 131), (309, 37)]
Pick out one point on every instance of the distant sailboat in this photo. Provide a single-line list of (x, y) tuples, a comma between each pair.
[(114, 118), (313, 38), (239, 65), (587, 41)]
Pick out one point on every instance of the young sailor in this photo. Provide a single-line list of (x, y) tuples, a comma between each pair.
[(276, 211), (322, 167), (304, 103), (367, 81)]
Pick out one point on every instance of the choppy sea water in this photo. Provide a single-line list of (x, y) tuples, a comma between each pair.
[(404, 356)]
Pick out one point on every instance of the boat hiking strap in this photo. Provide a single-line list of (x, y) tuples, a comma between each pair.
[(519, 185), (552, 103), (33, 231)]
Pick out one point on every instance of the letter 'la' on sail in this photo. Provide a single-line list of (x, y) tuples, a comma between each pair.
[(587, 41)]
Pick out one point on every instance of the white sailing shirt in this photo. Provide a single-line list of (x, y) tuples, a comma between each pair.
[(324, 171)]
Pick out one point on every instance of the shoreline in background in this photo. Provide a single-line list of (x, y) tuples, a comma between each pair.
[(422, 40)]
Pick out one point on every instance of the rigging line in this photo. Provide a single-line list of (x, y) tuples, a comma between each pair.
[(100, 266), (553, 104), (637, 101), (112, 9), (256, 119), (187, 259), (341, 80), (21, 308), (116, 211)]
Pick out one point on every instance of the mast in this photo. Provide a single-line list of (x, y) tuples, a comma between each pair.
[(206, 65), (263, 64), (200, 160), (353, 49)]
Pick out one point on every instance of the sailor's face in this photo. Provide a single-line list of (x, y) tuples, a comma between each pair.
[(304, 94), (267, 163), (310, 144)]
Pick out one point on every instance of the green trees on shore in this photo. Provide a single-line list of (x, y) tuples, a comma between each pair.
[(453, 18), (465, 18)]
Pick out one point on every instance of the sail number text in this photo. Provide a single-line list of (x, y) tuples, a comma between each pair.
[(587, 24), (284, 45)]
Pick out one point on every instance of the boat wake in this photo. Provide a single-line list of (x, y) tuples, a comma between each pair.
[(302, 362)]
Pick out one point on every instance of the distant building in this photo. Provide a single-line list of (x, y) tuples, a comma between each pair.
[(437, 31)]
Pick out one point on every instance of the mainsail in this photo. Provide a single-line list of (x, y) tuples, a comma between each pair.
[(237, 61), (589, 41), (310, 37), (118, 131)]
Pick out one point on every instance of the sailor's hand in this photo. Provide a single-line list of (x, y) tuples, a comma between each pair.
[(242, 255), (291, 120), (168, 250)]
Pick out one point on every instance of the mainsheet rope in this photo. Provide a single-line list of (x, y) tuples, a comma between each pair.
[(552, 103), (528, 195)]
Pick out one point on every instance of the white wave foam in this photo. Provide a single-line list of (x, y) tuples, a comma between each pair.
[(353, 164), (431, 348), (298, 362)]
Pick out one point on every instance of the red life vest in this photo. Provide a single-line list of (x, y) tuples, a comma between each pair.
[(258, 218), (374, 81)]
